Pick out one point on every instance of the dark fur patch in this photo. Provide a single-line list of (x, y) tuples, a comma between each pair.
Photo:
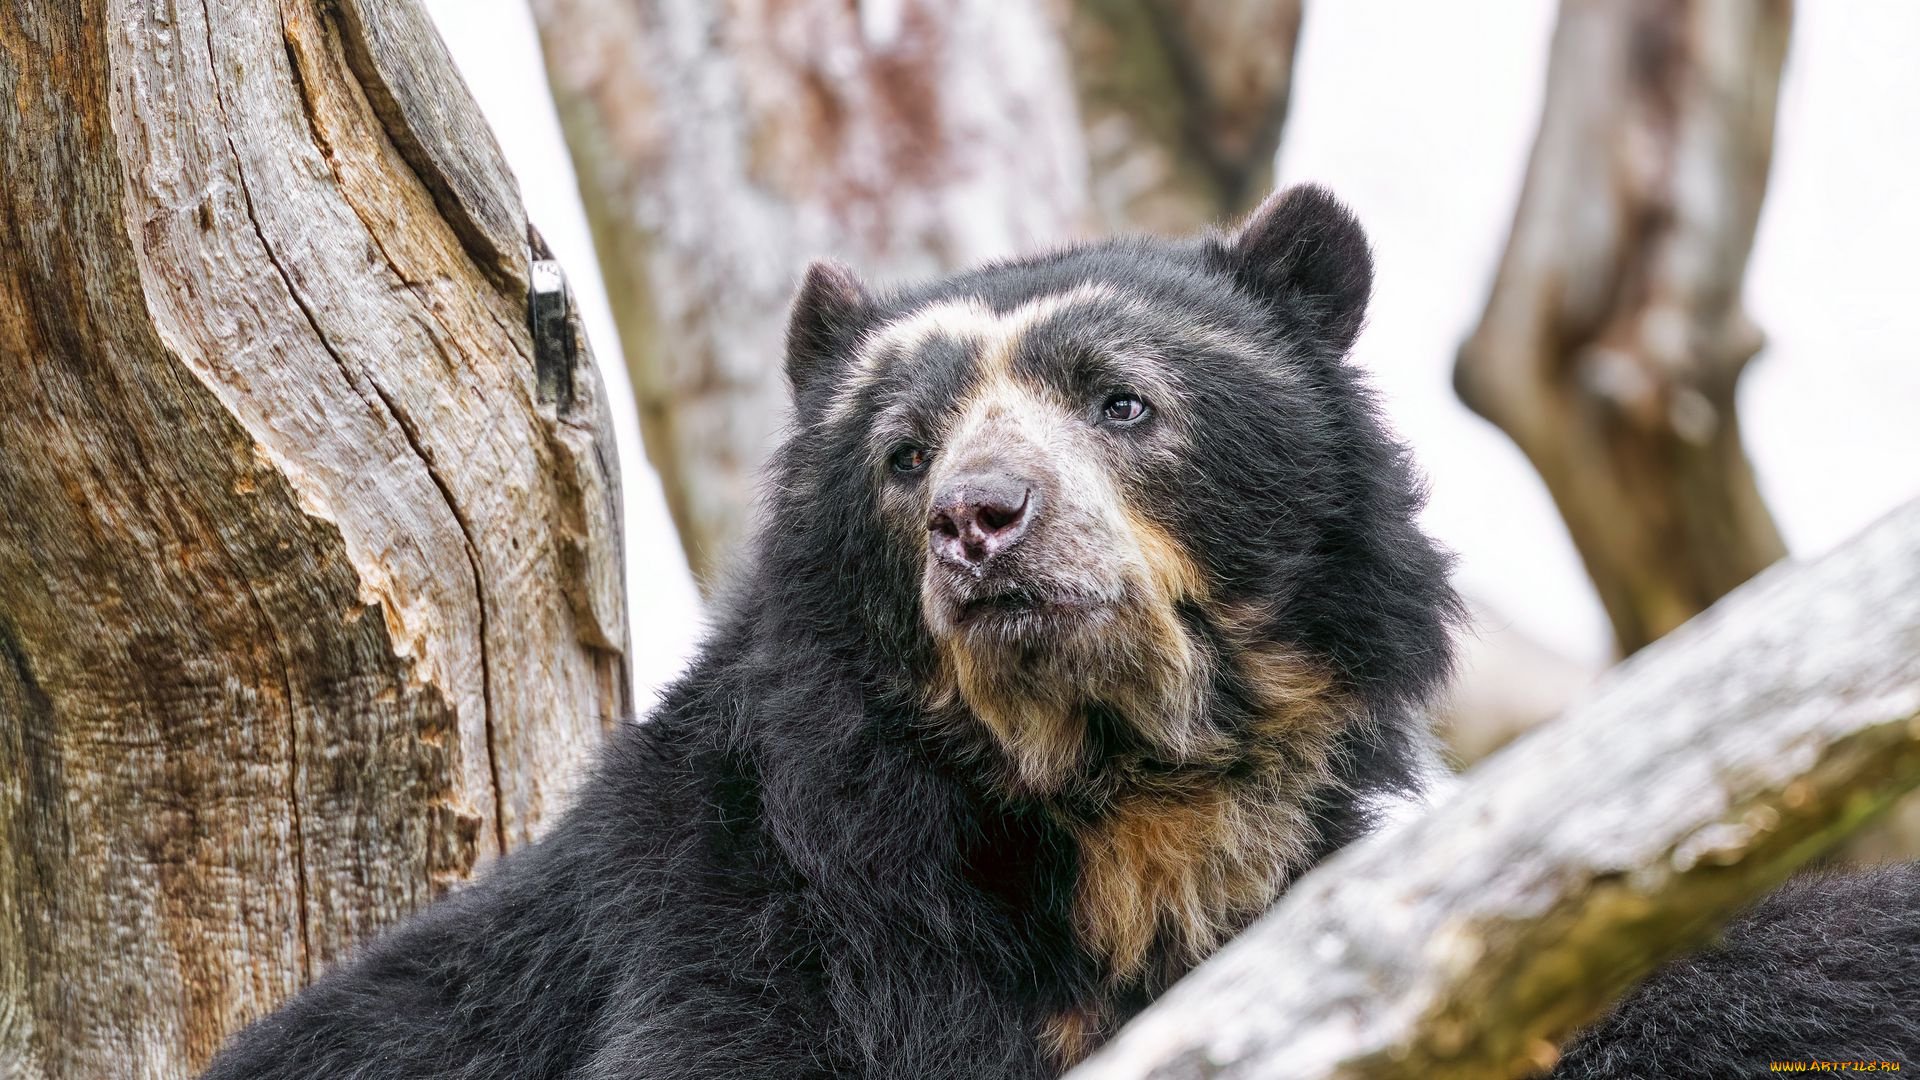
[(1826, 969)]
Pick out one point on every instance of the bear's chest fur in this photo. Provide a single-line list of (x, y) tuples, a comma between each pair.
[(1175, 863)]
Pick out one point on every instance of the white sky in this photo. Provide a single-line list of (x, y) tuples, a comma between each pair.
[(1421, 117)]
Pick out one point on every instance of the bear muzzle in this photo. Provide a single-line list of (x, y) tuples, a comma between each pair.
[(977, 517)]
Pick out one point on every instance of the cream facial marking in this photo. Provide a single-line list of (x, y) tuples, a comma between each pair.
[(1030, 678), (971, 321)]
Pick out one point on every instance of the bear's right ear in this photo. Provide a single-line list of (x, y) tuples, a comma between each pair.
[(1304, 253), (829, 313)]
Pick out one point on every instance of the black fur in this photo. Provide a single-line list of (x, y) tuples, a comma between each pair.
[(798, 866), (828, 313), (1825, 970)]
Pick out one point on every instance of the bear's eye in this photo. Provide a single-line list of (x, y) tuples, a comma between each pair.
[(910, 459), (1123, 408)]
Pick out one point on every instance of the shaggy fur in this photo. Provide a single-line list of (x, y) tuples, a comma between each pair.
[(1825, 970), (1088, 609)]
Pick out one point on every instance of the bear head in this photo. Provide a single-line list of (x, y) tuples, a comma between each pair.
[(1121, 507)]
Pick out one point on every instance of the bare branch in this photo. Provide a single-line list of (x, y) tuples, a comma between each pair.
[(1182, 104), (1614, 335)]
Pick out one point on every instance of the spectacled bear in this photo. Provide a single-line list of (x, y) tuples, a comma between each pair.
[(1087, 609)]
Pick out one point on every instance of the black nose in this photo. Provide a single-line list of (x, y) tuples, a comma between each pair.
[(977, 517)]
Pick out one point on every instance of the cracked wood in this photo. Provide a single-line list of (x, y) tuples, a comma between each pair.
[(309, 597)]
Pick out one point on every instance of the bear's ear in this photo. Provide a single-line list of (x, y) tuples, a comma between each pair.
[(1304, 252), (829, 313)]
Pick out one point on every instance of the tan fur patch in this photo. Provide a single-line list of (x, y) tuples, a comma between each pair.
[(1165, 707), (1187, 859), (1187, 847), (1158, 861), (1040, 728), (1174, 574), (1068, 1036), (1142, 663)]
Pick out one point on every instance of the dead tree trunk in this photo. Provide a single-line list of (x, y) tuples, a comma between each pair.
[(1182, 104), (1614, 336), (309, 559), (1694, 779), (721, 147)]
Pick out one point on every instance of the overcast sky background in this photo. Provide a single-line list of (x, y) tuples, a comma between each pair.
[(1422, 118)]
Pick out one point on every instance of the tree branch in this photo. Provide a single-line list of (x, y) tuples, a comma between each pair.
[(720, 149), (1614, 334), (1697, 776), (1182, 105)]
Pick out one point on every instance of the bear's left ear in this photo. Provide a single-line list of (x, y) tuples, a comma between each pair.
[(830, 311), (1304, 252)]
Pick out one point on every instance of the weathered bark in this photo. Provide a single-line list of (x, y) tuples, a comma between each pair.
[(309, 582), (1614, 336), (1182, 104), (1695, 778), (720, 147)]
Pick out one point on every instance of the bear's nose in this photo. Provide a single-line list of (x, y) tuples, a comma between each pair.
[(977, 517)]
